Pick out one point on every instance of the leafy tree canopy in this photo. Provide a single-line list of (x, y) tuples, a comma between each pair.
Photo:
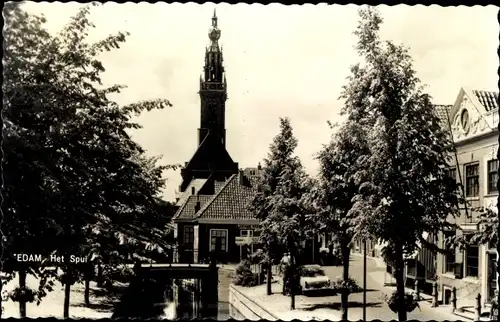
[(73, 176)]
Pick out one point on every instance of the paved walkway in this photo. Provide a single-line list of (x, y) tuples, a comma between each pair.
[(328, 307)]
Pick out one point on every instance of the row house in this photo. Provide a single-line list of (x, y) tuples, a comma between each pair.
[(472, 122)]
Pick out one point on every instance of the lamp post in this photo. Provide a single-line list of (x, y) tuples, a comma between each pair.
[(364, 280)]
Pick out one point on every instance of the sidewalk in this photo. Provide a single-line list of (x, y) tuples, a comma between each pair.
[(465, 309), (279, 305)]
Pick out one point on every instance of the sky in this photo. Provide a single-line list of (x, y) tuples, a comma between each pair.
[(280, 61)]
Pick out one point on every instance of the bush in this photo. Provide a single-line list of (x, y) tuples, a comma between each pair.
[(258, 257), (410, 302), (23, 294), (350, 285), (244, 275)]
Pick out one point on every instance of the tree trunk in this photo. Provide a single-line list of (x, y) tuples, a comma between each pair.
[(400, 286), (344, 299), (67, 292), (100, 282), (269, 272), (87, 292), (292, 280), (22, 285), (88, 276), (269, 278)]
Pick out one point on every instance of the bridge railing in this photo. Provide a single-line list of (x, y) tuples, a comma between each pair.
[(185, 256), (191, 256)]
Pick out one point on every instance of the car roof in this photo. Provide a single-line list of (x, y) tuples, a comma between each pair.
[(312, 266)]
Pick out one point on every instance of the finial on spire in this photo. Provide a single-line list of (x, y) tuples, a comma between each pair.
[(214, 19), (214, 33)]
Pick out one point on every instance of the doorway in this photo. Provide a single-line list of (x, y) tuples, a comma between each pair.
[(492, 275), (447, 296)]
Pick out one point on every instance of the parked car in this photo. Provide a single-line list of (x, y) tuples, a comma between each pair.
[(313, 279)]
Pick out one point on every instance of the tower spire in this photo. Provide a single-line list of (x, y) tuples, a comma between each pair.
[(214, 19), (214, 33), (213, 89)]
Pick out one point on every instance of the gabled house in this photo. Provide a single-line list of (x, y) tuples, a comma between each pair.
[(473, 124), (214, 214)]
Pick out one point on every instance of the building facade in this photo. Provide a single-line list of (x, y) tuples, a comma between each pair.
[(214, 194), (472, 121)]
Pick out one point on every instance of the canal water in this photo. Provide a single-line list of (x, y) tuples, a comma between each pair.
[(163, 300), (159, 300)]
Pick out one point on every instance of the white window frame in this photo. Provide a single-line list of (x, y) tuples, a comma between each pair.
[(466, 264), (466, 166), (487, 176), (227, 239)]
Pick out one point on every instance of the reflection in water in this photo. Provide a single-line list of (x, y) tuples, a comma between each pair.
[(170, 312), (162, 298)]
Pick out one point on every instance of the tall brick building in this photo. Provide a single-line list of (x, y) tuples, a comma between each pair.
[(214, 193)]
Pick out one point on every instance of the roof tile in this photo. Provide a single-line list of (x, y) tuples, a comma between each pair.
[(488, 99), (443, 111), (230, 203), (187, 210)]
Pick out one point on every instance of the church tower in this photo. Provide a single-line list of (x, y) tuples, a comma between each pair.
[(213, 89), (211, 159)]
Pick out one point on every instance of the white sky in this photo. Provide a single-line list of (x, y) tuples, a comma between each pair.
[(280, 61)]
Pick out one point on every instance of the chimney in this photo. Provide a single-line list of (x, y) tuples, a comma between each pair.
[(241, 177), (259, 167), (193, 191), (197, 206)]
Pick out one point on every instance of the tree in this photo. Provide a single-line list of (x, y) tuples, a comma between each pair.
[(338, 183), (69, 160), (407, 191), (278, 203), (280, 152)]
